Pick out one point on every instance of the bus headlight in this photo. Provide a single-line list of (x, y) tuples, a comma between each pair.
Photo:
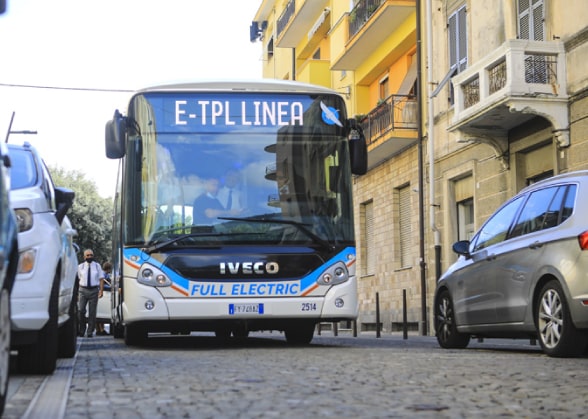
[(152, 276), (335, 274)]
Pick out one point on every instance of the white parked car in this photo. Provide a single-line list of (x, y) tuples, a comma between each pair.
[(8, 264), (44, 311)]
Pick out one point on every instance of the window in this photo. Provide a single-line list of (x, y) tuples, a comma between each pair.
[(496, 228), (541, 176), (404, 227), (270, 48), (464, 189), (545, 208), (542, 205), (369, 247), (384, 88), (458, 54), (465, 219), (531, 19)]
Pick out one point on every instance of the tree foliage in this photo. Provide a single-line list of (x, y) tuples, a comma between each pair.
[(91, 215)]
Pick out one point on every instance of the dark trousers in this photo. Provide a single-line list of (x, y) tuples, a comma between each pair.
[(87, 297)]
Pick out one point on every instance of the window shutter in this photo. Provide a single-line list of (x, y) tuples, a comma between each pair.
[(462, 39), (531, 19), (452, 40), (370, 246), (404, 226)]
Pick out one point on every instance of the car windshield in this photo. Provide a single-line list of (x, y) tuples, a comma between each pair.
[(23, 173)]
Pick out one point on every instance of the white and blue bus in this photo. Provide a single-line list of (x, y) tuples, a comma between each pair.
[(233, 210)]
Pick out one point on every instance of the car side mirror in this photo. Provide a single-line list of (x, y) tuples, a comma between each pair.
[(462, 247), (64, 199)]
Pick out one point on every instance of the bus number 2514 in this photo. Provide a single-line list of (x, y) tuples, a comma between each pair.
[(308, 307)]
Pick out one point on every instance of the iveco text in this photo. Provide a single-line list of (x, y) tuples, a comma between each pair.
[(249, 268)]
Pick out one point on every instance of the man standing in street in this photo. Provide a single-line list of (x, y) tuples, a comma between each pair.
[(91, 285)]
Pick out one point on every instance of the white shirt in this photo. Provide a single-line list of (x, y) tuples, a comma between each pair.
[(223, 197), (96, 274)]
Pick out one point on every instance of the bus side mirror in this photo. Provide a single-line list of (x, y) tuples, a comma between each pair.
[(357, 149), (115, 134)]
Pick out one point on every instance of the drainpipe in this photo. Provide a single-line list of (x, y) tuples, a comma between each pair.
[(431, 142), (422, 263), (293, 63)]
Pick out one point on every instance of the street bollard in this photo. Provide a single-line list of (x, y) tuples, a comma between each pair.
[(404, 319), (377, 315)]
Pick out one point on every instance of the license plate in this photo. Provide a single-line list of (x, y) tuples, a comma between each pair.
[(245, 308)]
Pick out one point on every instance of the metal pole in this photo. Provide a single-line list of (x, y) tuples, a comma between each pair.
[(377, 315), (404, 316), (9, 128)]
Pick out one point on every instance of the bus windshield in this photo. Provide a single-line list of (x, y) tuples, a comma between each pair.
[(237, 168)]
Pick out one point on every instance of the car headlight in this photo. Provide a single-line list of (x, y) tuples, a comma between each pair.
[(24, 219), (152, 276), (335, 274)]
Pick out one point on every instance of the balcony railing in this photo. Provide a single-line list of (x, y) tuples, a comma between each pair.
[(361, 13), (397, 112), (285, 17), (518, 68)]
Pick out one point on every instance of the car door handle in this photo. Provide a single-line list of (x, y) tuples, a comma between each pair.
[(536, 245)]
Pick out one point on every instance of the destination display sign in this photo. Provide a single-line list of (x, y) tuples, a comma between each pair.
[(197, 112)]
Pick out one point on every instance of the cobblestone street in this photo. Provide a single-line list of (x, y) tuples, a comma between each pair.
[(336, 376)]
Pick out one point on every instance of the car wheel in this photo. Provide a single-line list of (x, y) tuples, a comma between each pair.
[(4, 346), (41, 356), (68, 333), (135, 335), (557, 334), (445, 326), (300, 333)]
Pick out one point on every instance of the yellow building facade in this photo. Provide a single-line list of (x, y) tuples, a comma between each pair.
[(365, 50), (503, 99)]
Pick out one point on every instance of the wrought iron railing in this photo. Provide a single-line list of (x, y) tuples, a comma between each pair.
[(397, 112), (285, 17), (361, 13), (497, 77)]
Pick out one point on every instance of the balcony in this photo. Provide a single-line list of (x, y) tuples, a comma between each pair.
[(296, 23), (369, 24), (518, 81), (315, 72), (390, 128)]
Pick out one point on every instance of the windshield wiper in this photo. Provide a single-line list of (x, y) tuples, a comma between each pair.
[(300, 226), (154, 245)]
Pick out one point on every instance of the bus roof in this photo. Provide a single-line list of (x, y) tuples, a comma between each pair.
[(261, 85)]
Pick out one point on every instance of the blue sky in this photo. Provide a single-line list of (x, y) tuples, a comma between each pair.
[(77, 59)]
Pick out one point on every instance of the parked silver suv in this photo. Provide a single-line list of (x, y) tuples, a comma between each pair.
[(44, 321), (524, 274)]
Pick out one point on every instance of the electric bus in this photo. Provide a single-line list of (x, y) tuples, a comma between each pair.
[(233, 210)]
